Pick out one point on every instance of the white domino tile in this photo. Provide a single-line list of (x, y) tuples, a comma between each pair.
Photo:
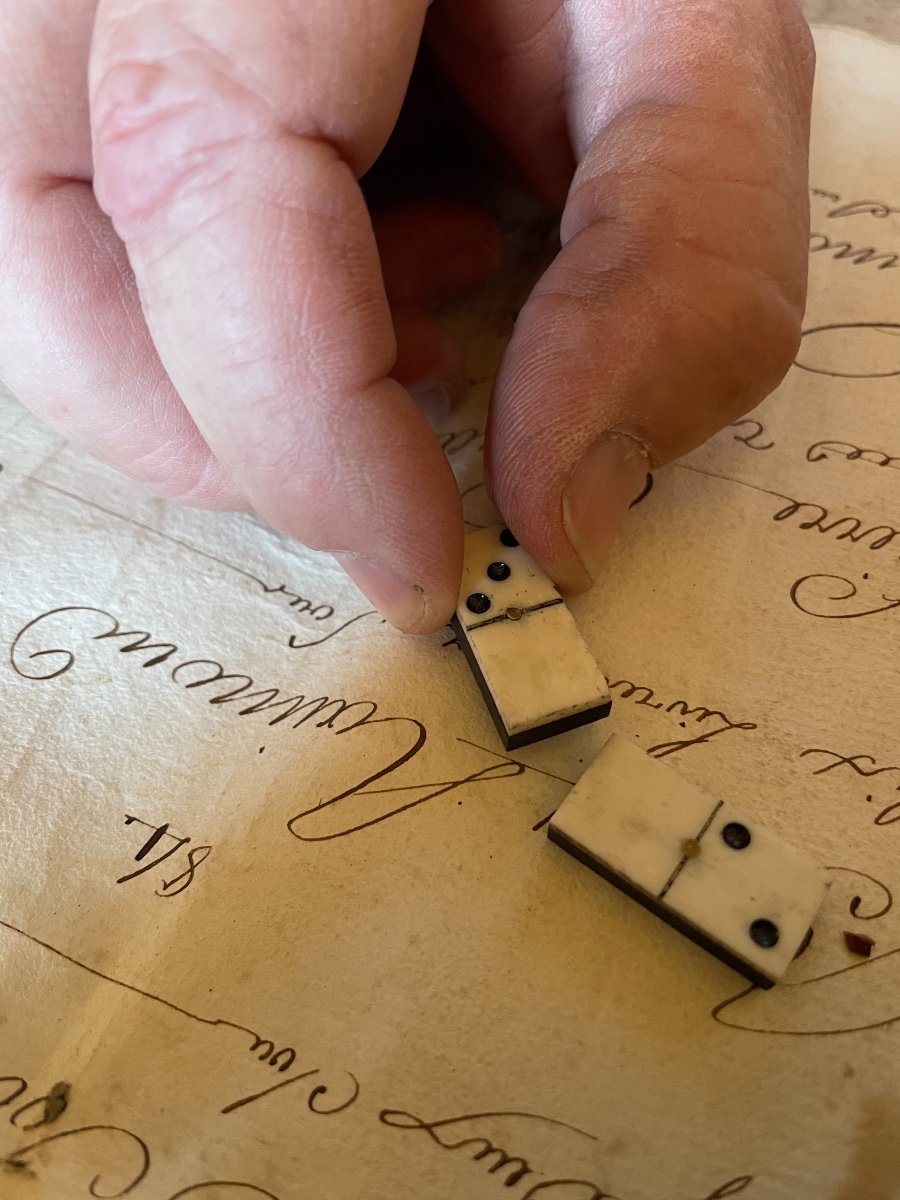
[(533, 665), (716, 873)]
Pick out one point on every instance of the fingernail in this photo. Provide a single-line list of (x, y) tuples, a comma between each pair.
[(434, 397), (610, 476), (399, 601)]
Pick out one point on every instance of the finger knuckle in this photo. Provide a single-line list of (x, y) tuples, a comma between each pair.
[(738, 300), (165, 128), (779, 339), (756, 329), (184, 471)]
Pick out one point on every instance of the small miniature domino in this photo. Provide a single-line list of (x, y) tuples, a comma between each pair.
[(717, 876), (535, 671)]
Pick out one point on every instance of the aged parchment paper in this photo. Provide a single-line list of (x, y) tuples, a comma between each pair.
[(278, 918)]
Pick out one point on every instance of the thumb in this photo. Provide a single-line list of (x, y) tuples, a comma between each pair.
[(673, 307)]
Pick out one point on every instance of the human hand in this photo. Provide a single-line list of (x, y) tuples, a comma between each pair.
[(192, 288)]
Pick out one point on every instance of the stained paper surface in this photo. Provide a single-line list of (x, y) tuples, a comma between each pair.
[(278, 918)]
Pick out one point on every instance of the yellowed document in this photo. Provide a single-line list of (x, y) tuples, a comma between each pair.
[(279, 918)]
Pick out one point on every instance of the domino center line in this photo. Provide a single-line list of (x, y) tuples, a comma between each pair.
[(503, 616), (684, 858)]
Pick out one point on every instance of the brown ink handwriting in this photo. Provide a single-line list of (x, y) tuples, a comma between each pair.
[(753, 430), (815, 595), (195, 856), (820, 344), (819, 452), (860, 256), (699, 714)]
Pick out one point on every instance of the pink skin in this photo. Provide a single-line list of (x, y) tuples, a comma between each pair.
[(192, 287)]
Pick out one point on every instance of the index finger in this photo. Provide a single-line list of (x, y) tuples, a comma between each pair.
[(227, 146)]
